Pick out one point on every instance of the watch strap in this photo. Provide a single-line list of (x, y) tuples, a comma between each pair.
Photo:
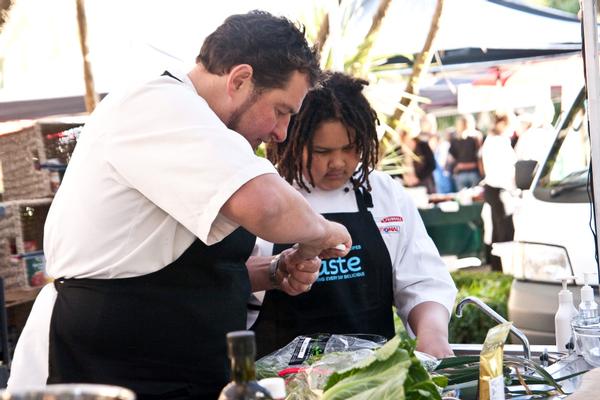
[(273, 267)]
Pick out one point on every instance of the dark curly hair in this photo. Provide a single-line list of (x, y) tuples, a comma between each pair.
[(338, 97), (274, 47)]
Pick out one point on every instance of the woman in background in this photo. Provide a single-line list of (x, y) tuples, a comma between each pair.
[(498, 158), (464, 149)]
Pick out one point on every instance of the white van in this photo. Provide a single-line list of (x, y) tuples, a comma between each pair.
[(553, 228)]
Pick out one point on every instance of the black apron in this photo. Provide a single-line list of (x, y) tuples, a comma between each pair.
[(161, 334), (353, 294)]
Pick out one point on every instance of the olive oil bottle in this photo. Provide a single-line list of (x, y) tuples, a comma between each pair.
[(241, 348)]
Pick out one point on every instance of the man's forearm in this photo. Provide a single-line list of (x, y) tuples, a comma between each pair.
[(271, 209), (258, 270)]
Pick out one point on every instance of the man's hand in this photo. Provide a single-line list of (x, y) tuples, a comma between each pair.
[(296, 272), (299, 266), (337, 243)]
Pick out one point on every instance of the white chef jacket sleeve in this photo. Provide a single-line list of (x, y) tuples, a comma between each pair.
[(183, 159), (420, 274), (263, 248)]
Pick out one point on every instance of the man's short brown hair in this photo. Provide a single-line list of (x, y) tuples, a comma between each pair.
[(274, 47)]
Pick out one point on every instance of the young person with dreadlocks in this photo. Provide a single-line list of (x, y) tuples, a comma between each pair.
[(329, 156)]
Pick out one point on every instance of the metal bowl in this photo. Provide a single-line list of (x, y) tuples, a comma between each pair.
[(73, 391)]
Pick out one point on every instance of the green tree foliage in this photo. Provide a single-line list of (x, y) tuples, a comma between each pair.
[(571, 6), (491, 287)]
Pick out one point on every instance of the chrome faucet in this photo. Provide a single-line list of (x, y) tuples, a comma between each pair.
[(494, 315)]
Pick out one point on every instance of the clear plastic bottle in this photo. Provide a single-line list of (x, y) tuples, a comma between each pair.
[(241, 348), (588, 308)]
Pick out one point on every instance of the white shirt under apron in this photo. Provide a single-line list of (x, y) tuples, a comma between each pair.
[(151, 170), (420, 275)]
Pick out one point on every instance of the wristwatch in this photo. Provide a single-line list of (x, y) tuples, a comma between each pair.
[(273, 267)]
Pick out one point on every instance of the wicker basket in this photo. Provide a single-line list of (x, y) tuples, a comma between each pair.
[(21, 152), (25, 150), (21, 232)]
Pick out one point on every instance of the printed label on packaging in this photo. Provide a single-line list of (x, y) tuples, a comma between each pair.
[(306, 347), (299, 354), (497, 388)]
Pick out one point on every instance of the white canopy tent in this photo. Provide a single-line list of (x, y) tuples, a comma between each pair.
[(130, 40), (487, 24)]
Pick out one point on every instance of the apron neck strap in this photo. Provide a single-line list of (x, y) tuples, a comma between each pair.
[(364, 199), (167, 73)]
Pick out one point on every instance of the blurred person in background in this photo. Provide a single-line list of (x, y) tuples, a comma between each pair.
[(418, 159), (464, 150), (439, 143), (428, 126), (537, 133), (498, 159)]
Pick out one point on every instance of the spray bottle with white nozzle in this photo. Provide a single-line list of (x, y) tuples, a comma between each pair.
[(588, 308), (562, 319)]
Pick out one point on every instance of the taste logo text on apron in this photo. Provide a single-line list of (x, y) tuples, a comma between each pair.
[(342, 268)]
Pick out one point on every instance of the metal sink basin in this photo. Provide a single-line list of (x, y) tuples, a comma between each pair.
[(558, 364), (512, 350)]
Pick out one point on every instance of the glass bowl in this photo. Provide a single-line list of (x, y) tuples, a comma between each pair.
[(71, 391), (587, 340)]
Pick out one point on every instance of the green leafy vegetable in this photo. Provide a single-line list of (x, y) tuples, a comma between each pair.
[(392, 372), (392, 389), (378, 372)]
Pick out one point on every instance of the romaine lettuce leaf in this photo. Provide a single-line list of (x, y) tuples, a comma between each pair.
[(392, 372), (379, 372)]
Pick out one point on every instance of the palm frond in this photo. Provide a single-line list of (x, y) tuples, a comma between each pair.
[(331, 30)]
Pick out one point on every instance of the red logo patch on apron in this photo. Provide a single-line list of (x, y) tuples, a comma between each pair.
[(387, 220)]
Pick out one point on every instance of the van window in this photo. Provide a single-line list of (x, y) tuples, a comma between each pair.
[(564, 177)]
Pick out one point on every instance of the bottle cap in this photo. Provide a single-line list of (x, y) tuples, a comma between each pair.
[(587, 293), (565, 295), (275, 386), (565, 280), (241, 343)]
